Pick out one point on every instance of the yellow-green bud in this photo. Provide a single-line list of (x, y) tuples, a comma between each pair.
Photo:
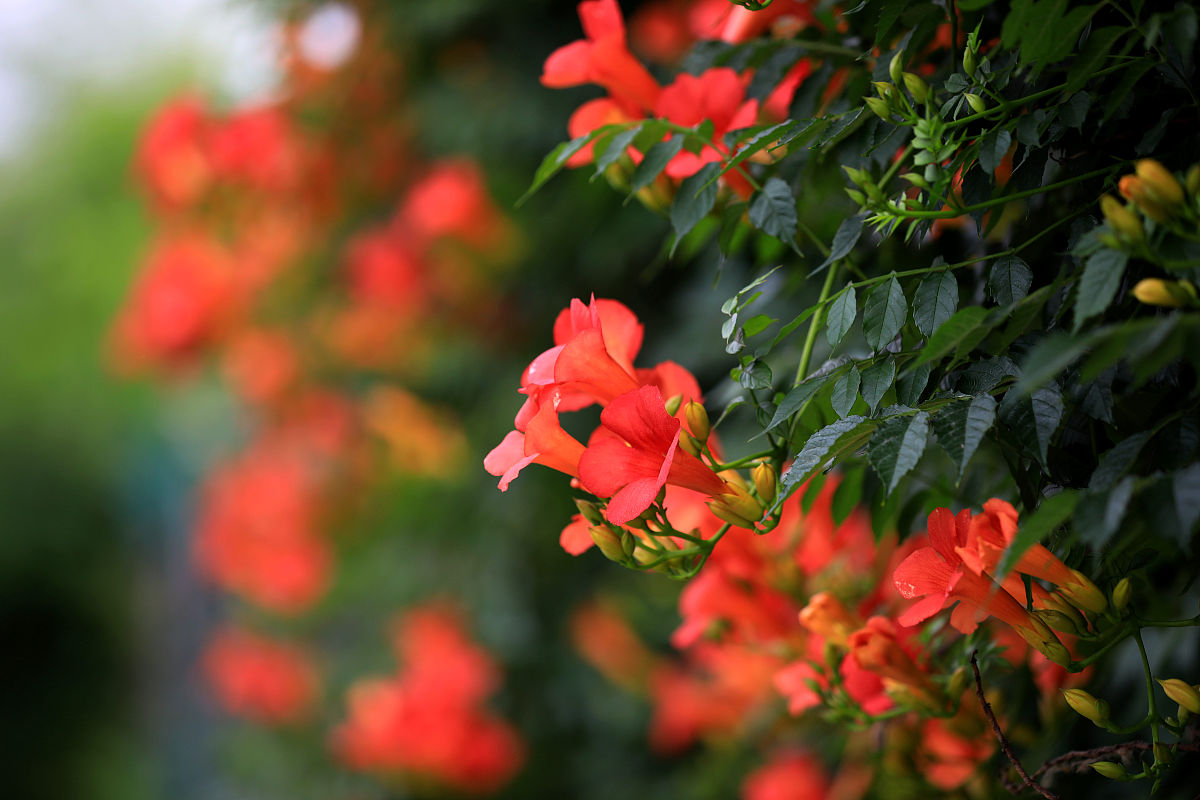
[(688, 444), (885, 90), (1122, 219), (628, 543), (916, 180), (589, 511), (857, 196), (1122, 592), (1086, 705), (969, 61), (1083, 594), (1192, 180), (976, 103), (859, 177), (1058, 621), (724, 513), (1111, 769), (1182, 692), (742, 503), (1162, 753), (644, 556), (672, 404), (608, 542), (916, 87), (697, 420), (896, 67), (765, 482), (1169, 294), (1159, 181), (879, 108)]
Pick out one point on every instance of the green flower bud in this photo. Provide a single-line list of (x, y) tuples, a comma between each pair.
[(1183, 693), (916, 87), (896, 67), (697, 420), (879, 108), (976, 103), (1086, 705), (1111, 770), (1122, 593), (672, 404), (589, 511), (608, 542)]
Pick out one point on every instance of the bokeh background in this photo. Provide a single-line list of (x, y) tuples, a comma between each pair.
[(102, 615)]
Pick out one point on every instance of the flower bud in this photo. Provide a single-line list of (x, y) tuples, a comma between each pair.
[(1160, 182), (697, 420), (885, 90), (1083, 594), (723, 512), (969, 62), (1058, 621), (608, 542), (916, 180), (857, 197), (1121, 594), (1191, 180), (1086, 705), (859, 177), (742, 503), (896, 67), (1111, 769), (1183, 693), (975, 102), (589, 511), (628, 543), (688, 444), (879, 108), (916, 87), (765, 482), (1162, 753), (1122, 219), (643, 556), (1134, 188), (672, 404)]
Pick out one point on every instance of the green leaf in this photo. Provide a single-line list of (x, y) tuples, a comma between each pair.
[(1185, 485), (936, 301), (818, 446), (656, 159), (757, 324), (1009, 280), (1049, 358), (897, 446), (843, 241), (845, 392), (884, 312), (761, 140), (1092, 56), (755, 375), (911, 384), (615, 147), (961, 426), (1101, 278), (1052, 512), (1035, 418), (557, 157), (773, 210), (847, 495), (842, 312), (962, 326), (992, 149), (876, 380), (1099, 513), (1117, 461), (800, 394), (693, 202)]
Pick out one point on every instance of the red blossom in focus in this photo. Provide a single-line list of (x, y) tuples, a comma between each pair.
[(259, 679)]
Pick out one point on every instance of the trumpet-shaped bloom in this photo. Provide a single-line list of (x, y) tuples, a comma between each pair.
[(635, 454), (542, 442)]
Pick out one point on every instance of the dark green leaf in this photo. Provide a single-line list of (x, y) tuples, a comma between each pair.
[(756, 375), (1034, 419), (817, 448), (656, 159), (962, 326), (884, 312), (876, 380), (773, 210), (936, 301), (1009, 280), (1117, 461), (1052, 512), (1049, 358), (1100, 512), (1101, 277), (897, 446), (1186, 487), (1099, 45), (757, 324), (800, 394), (557, 157), (693, 201), (842, 312), (617, 144), (992, 149), (911, 385), (961, 426), (843, 241), (845, 392)]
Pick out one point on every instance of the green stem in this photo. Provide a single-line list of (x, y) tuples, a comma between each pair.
[(1170, 623), (1153, 711), (1023, 101), (744, 461), (999, 201), (1119, 636), (818, 318)]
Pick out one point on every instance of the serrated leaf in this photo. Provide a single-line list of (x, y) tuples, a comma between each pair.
[(1117, 461), (1052, 512), (911, 384), (935, 302), (693, 202), (815, 450), (842, 313), (843, 241), (876, 380), (1101, 276), (1035, 418), (655, 161), (756, 375), (897, 446), (953, 332), (845, 392), (800, 394), (1009, 280), (992, 149), (773, 210), (961, 426), (616, 147), (884, 313)]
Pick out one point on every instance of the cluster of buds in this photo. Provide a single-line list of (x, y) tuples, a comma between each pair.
[(1158, 194)]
